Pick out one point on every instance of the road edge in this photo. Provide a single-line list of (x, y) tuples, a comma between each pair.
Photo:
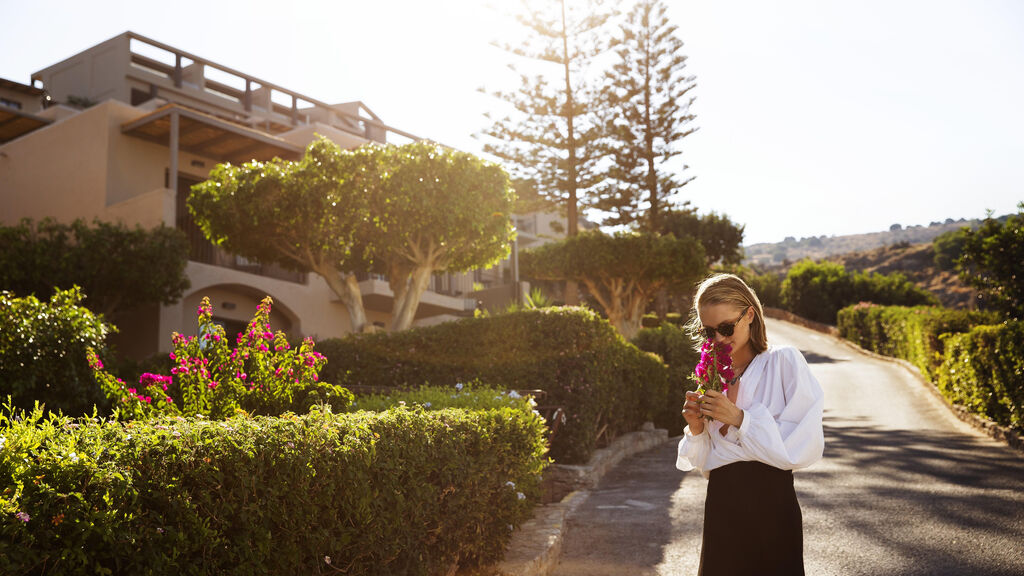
[(1001, 433)]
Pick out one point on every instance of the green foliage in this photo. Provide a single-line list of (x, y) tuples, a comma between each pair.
[(309, 215), (991, 261), (914, 334), (466, 396), (721, 238), (406, 211), (606, 386), (767, 286), (397, 492), (818, 290), (264, 374), (671, 343), (648, 93), (948, 248), (43, 351), (621, 272), (983, 370), (436, 209), (103, 259)]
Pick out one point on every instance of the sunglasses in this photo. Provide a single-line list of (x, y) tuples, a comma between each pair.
[(725, 328)]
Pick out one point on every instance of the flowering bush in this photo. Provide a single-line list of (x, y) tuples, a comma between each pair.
[(263, 374)]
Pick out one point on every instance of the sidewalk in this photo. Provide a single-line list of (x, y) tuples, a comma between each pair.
[(537, 546)]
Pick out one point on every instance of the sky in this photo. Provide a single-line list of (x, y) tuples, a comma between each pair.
[(815, 117)]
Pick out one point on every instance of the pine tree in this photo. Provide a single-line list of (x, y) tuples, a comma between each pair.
[(552, 138), (647, 105)]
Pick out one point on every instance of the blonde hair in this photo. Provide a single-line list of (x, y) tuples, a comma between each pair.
[(728, 289)]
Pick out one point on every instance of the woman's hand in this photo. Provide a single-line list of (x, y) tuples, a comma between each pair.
[(719, 407), (692, 413)]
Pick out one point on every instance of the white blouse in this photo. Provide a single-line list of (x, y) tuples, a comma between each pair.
[(782, 407)]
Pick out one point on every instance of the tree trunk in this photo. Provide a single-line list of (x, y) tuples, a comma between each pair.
[(347, 289), (404, 312)]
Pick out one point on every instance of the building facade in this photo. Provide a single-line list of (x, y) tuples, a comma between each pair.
[(120, 132)]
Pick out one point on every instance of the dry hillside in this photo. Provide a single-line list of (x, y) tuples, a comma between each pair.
[(916, 262)]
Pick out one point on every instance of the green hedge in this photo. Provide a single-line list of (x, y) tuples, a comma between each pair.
[(911, 333), (396, 492), (818, 290), (983, 370), (675, 347), (43, 352), (605, 385)]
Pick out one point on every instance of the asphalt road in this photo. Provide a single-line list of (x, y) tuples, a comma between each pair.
[(904, 488)]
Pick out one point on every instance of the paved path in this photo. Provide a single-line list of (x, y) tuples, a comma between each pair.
[(904, 488)]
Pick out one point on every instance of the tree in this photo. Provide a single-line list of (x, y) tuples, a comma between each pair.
[(647, 98), (117, 268), (991, 261), (405, 211), (438, 209), (622, 272), (552, 139), (306, 215), (721, 238)]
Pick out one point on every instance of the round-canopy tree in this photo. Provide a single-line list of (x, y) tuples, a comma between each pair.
[(406, 211), (622, 272), (307, 215), (437, 210)]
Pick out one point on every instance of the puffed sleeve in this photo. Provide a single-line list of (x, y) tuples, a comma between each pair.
[(693, 450), (795, 439)]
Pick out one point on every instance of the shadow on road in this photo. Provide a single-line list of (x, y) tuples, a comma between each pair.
[(913, 502), (815, 358), (882, 501)]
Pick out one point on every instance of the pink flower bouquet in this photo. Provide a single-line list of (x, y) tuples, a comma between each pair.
[(714, 371)]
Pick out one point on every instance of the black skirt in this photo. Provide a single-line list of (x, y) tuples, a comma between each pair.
[(752, 523)]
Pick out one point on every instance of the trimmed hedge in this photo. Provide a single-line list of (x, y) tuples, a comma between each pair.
[(396, 492), (818, 290), (43, 348), (605, 385), (983, 370), (911, 333), (674, 346)]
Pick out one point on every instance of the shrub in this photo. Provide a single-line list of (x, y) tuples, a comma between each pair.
[(103, 259), (911, 333), (397, 492), (674, 346), (991, 262), (983, 370), (216, 381), (818, 290), (605, 385), (469, 396), (43, 349)]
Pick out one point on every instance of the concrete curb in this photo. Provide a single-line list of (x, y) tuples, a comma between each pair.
[(537, 544)]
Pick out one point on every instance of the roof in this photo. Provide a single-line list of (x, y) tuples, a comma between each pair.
[(19, 87), (208, 136), (15, 123)]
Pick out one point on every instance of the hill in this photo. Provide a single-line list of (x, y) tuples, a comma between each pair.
[(770, 255)]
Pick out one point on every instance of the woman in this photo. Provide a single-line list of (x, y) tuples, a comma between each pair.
[(766, 425)]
